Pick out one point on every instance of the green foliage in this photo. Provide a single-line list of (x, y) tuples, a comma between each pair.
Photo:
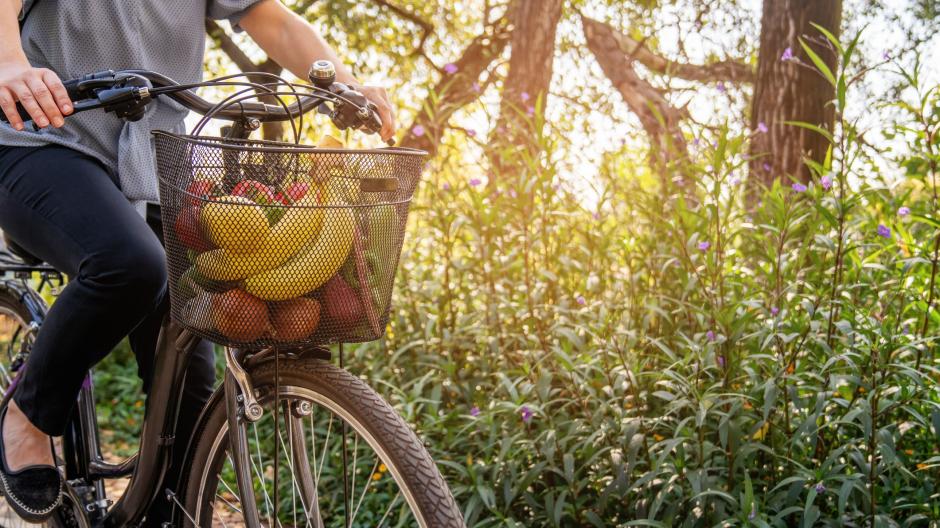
[(768, 363), (633, 356)]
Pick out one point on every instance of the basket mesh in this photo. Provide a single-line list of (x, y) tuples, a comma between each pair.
[(277, 244)]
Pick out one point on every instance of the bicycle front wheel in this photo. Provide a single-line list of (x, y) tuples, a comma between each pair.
[(339, 456)]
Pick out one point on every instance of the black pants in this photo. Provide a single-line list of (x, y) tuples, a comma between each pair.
[(66, 208)]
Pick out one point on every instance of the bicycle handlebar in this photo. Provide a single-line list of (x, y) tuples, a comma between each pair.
[(127, 92)]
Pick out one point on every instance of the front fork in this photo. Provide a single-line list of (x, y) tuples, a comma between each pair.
[(242, 408)]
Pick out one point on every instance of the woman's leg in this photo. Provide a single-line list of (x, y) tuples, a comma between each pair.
[(66, 208)]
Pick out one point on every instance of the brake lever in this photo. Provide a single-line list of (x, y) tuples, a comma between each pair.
[(353, 110), (125, 95)]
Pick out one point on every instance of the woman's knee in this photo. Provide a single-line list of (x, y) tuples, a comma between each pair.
[(137, 269)]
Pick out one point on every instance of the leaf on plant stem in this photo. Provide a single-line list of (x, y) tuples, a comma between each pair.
[(820, 64), (815, 128)]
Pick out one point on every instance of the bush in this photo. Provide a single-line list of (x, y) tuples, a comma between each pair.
[(678, 355)]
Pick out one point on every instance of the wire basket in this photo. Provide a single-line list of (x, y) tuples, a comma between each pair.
[(273, 243)]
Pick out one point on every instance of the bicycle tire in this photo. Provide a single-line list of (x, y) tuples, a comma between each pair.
[(70, 515), (405, 451)]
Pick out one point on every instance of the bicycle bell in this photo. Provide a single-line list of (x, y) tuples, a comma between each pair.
[(322, 73)]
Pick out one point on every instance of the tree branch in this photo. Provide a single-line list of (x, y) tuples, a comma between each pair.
[(725, 70), (426, 27), (226, 44), (659, 118), (457, 90)]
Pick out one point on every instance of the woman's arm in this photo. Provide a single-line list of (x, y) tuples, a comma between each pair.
[(39, 90), (295, 44)]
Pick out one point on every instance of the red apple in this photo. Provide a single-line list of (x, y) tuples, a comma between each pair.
[(295, 192), (240, 316), (254, 191), (341, 304), (189, 230)]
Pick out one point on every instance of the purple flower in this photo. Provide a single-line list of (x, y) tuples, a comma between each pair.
[(721, 87), (885, 55), (762, 127), (787, 54), (695, 141), (704, 245), (884, 231), (526, 413), (735, 181), (820, 488), (418, 130), (475, 87), (906, 330), (530, 110), (446, 186), (475, 181), (597, 216), (753, 515), (904, 211), (524, 96), (774, 311), (450, 68), (798, 187), (721, 361), (826, 182), (474, 411), (766, 167), (580, 300), (471, 132), (711, 336)]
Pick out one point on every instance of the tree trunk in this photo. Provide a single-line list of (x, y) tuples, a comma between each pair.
[(530, 71), (791, 89)]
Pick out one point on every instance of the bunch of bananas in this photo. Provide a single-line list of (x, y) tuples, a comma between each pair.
[(294, 257)]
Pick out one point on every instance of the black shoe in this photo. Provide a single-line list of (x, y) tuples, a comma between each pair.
[(33, 492)]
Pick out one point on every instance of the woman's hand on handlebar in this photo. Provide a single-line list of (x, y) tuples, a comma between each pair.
[(379, 97), (39, 90)]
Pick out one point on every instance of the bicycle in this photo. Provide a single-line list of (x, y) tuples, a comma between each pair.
[(288, 438)]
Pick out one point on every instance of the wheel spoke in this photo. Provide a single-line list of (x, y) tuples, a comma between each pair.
[(366, 488), (259, 470), (221, 519), (295, 487), (391, 506), (326, 445), (352, 487)]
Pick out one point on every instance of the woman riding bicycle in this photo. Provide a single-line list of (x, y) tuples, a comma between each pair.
[(81, 194)]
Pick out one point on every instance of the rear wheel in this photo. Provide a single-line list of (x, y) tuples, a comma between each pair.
[(377, 474), (17, 332)]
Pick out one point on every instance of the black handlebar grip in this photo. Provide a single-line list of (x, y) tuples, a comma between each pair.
[(71, 88)]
